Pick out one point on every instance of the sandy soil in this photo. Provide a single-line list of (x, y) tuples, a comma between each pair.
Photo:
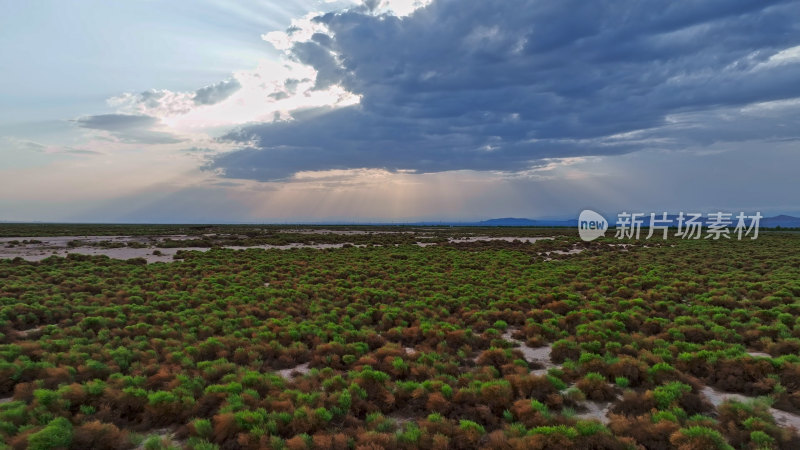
[(344, 232), (302, 369), (58, 245), (783, 418), (29, 330), (163, 433), (572, 251), (490, 238), (540, 355), (595, 411)]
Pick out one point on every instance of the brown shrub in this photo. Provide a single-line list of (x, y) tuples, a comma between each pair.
[(741, 375), (694, 403), (653, 436), (697, 366), (596, 389), (54, 376), (225, 427), (526, 414), (208, 405), (531, 386), (438, 403), (440, 442), (296, 443), (20, 441), (630, 368), (75, 394), (24, 392), (371, 440), (790, 377), (561, 352), (634, 403), (98, 435)]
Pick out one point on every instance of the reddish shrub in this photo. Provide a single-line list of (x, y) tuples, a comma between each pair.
[(525, 412), (634, 403), (653, 436), (97, 435), (741, 375), (596, 388), (225, 427), (436, 402), (296, 443), (531, 386)]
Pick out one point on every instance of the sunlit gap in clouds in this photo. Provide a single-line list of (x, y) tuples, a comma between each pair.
[(269, 92)]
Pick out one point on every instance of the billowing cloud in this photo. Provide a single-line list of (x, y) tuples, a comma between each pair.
[(503, 85), (130, 128), (216, 93), (166, 103)]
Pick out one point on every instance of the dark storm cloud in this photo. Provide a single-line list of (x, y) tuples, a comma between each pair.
[(501, 85), (217, 92), (132, 128)]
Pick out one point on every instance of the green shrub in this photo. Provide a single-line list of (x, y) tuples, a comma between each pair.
[(202, 427), (670, 393), (761, 438), (468, 425), (57, 434)]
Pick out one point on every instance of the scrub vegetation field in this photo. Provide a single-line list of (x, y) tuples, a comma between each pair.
[(399, 338)]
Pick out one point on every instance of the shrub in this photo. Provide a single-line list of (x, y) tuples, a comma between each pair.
[(646, 432), (97, 435), (595, 387), (699, 438), (57, 434), (468, 425), (202, 428), (667, 396)]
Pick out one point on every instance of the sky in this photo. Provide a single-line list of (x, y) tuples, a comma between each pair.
[(186, 111)]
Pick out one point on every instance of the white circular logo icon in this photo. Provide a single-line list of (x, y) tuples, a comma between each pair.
[(591, 225)]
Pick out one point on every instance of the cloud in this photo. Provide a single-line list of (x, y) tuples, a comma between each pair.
[(216, 93), (504, 85), (129, 128), (154, 102), (27, 145), (165, 103), (270, 91)]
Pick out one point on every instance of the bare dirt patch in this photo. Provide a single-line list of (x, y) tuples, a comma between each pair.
[(783, 418), (539, 355), (27, 333), (491, 238), (166, 435), (295, 371), (595, 411), (39, 248)]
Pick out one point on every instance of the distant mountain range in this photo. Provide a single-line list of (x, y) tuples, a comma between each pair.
[(515, 222), (504, 222), (782, 221)]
